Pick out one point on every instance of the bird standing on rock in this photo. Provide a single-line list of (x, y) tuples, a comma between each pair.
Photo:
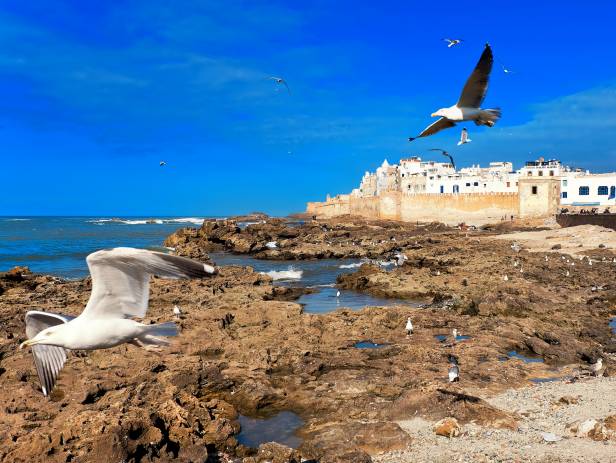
[(596, 367), (409, 326), (454, 373), (454, 334), (176, 311)]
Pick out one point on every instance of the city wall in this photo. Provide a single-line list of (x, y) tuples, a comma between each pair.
[(472, 208)]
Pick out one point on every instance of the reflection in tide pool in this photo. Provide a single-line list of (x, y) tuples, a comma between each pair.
[(326, 301), (319, 274), (279, 428)]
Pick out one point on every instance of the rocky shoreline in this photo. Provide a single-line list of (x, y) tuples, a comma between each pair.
[(247, 348)]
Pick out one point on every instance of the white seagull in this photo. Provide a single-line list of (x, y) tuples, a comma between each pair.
[(455, 334), (454, 373), (176, 311), (468, 107), (338, 293), (596, 367), (452, 42), (409, 326), (464, 137), (281, 81), (505, 278), (271, 245), (120, 291)]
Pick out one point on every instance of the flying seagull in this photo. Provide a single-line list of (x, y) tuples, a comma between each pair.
[(162, 163), (445, 153), (464, 137), (452, 42), (120, 291), (281, 81), (468, 107)]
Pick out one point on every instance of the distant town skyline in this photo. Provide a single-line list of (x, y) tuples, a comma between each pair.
[(96, 97)]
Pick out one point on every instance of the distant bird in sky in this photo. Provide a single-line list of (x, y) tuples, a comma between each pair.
[(162, 163), (120, 292), (468, 107), (452, 42), (464, 137), (409, 326), (281, 81), (445, 153), (454, 373)]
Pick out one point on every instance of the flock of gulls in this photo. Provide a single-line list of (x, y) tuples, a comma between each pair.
[(467, 108)]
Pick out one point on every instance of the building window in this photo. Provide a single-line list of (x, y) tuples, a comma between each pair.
[(613, 192), (475, 183), (564, 183), (468, 184), (540, 173), (551, 173), (508, 184), (584, 191), (530, 174), (534, 190), (442, 189), (456, 189), (603, 191), (563, 195), (516, 183)]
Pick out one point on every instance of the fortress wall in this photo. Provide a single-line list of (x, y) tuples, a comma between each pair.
[(473, 208)]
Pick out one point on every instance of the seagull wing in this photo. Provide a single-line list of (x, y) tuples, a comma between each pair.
[(286, 85), (442, 123), (476, 86), (438, 149), (48, 360), (121, 279)]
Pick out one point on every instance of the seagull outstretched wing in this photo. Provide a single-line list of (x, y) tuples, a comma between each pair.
[(442, 123), (476, 86), (121, 279), (48, 359)]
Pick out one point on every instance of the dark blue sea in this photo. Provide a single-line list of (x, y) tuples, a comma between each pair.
[(59, 245)]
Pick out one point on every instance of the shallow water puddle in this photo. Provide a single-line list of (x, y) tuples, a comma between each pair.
[(462, 337), (369, 345), (440, 337), (544, 380), (279, 428), (612, 324), (320, 274), (515, 355)]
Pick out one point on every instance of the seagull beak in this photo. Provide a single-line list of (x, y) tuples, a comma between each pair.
[(433, 115), (25, 344)]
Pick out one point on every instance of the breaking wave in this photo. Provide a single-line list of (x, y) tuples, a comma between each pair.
[(193, 220), (290, 274)]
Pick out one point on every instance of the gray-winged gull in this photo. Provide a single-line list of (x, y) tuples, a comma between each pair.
[(452, 42), (468, 107), (120, 290), (445, 153), (281, 81), (464, 137)]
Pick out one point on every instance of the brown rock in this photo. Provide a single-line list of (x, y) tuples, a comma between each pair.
[(447, 427)]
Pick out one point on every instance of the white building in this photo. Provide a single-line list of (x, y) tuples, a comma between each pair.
[(586, 189), (543, 168)]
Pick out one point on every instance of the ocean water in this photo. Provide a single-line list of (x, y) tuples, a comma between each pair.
[(59, 245)]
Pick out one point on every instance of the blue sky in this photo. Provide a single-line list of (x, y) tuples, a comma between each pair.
[(93, 97)]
